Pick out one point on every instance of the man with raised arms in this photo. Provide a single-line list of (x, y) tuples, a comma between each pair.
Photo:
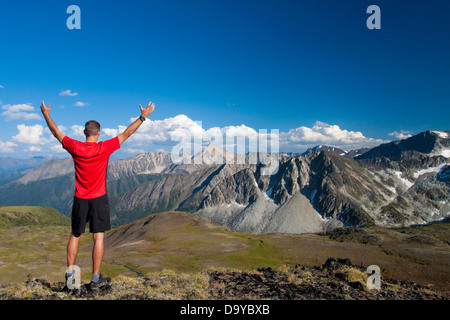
[(90, 202)]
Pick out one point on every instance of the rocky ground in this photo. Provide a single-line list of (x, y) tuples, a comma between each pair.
[(337, 279)]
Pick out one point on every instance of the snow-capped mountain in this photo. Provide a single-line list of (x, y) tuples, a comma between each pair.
[(399, 183)]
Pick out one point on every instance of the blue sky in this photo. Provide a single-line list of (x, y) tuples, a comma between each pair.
[(311, 69)]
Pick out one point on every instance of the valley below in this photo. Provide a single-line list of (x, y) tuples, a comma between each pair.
[(178, 255)]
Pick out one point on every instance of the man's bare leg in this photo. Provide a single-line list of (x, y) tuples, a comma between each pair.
[(72, 249), (97, 252)]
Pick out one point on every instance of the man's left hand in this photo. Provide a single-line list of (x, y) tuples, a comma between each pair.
[(145, 112), (45, 110)]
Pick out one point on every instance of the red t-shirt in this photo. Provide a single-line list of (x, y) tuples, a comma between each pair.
[(91, 163)]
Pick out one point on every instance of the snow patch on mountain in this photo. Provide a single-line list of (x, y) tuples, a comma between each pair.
[(441, 134), (408, 183), (445, 153), (431, 169)]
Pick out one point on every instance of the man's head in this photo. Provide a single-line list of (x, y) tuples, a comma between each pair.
[(92, 129)]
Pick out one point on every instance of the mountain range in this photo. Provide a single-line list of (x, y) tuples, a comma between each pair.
[(11, 168), (399, 183)]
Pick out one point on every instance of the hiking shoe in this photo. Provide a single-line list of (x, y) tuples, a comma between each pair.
[(103, 281)]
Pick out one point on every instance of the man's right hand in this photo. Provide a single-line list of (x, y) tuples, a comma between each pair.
[(145, 112)]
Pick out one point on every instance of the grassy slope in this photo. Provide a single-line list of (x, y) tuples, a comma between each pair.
[(183, 242), (29, 215), (30, 241)]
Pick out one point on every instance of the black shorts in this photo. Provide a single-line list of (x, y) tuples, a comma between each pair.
[(95, 211)]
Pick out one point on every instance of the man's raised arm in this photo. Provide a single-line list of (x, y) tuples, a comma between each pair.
[(51, 125), (145, 112)]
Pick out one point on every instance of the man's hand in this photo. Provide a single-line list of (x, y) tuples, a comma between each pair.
[(45, 111), (51, 125), (145, 112)]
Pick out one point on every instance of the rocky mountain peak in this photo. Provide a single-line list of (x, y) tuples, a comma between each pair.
[(320, 148), (433, 143), (213, 154), (399, 183)]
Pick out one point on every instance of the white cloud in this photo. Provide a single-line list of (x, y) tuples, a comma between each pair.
[(235, 138), (133, 151), (80, 104), (20, 112), (323, 133), (57, 148), (7, 147), (401, 135), (110, 132), (166, 133), (68, 93), (33, 149), (160, 131), (30, 135), (18, 107), (77, 130), (60, 127)]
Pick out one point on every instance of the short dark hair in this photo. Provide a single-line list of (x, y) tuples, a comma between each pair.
[(91, 128)]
